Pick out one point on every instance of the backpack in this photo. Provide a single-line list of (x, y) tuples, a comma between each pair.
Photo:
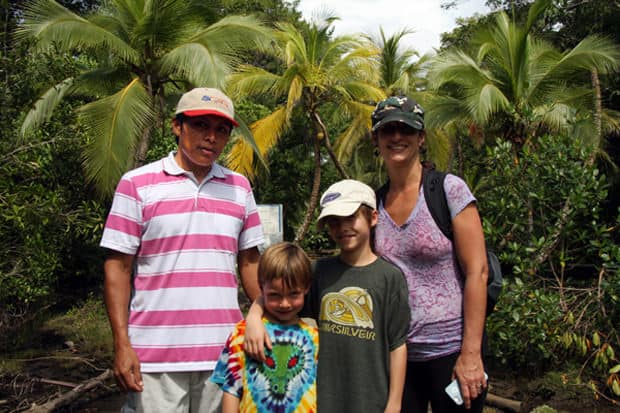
[(434, 194)]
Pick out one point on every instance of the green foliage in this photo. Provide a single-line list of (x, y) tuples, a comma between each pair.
[(542, 204), (49, 220), (541, 207), (523, 327), (509, 82)]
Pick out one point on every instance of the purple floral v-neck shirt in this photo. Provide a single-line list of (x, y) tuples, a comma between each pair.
[(427, 258)]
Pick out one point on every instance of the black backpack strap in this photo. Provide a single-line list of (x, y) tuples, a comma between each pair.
[(435, 196), (381, 193)]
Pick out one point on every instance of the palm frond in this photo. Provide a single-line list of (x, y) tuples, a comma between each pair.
[(51, 24), (198, 64), (121, 14), (611, 121), (358, 129), (240, 158), (152, 29), (534, 13), (593, 52), (556, 116), (267, 132), (45, 105), (101, 81), (439, 146), (252, 81), (295, 92), (208, 57), (234, 33), (444, 111), (458, 68), (486, 101), (293, 44), (243, 132), (116, 124)]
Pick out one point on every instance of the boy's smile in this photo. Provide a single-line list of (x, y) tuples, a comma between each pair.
[(352, 233), (281, 303)]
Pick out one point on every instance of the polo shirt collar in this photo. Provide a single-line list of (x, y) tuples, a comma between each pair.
[(171, 167)]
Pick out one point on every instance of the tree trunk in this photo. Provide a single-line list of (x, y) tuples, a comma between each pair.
[(598, 108), (145, 140), (314, 195), (328, 146), (143, 147)]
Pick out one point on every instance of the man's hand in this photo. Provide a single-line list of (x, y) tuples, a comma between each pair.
[(127, 369)]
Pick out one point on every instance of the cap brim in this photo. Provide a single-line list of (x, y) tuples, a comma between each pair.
[(342, 209), (398, 117), (202, 112)]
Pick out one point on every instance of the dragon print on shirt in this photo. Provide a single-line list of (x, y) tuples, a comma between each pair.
[(348, 312), (284, 383)]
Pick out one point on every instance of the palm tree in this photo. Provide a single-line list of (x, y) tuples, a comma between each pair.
[(517, 86), (140, 53), (402, 71), (319, 72), (397, 75)]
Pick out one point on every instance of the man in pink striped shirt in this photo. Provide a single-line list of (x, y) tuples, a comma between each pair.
[(178, 231)]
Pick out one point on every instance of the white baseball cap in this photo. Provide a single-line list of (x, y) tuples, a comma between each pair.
[(344, 197), (206, 101)]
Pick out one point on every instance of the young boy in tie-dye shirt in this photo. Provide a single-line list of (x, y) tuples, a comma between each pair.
[(286, 381)]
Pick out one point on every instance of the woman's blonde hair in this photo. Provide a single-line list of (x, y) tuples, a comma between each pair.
[(287, 261)]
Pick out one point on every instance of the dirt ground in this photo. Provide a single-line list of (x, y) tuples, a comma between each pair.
[(47, 376)]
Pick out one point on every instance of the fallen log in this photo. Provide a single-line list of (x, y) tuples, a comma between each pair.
[(503, 403), (70, 395)]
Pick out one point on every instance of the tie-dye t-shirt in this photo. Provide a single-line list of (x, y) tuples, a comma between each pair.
[(427, 258), (284, 383)]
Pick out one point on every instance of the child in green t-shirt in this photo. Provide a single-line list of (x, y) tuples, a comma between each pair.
[(360, 304)]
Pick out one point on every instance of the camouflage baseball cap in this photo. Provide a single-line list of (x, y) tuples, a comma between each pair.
[(398, 109)]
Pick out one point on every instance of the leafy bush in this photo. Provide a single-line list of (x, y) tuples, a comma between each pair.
[(50, 221), (523, 328), (542, 211)]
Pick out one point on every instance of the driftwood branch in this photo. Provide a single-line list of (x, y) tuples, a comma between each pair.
[(70, 395), (57, 383), (503, 403)]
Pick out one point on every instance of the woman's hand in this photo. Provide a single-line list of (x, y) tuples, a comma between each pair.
[(469, 371)]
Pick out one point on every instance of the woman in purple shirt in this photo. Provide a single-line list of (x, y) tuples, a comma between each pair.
[(446, 279)]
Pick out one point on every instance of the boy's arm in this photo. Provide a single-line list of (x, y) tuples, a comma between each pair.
[(398, 368), (230, 403), (256, 337)]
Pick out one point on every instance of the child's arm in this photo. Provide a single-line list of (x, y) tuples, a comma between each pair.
[(256, 337), (398, 367), (230, 403)]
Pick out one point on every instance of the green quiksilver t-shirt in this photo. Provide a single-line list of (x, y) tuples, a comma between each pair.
[(362, 314)]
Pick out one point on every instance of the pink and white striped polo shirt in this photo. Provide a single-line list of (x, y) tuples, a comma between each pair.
[(185, 237)]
